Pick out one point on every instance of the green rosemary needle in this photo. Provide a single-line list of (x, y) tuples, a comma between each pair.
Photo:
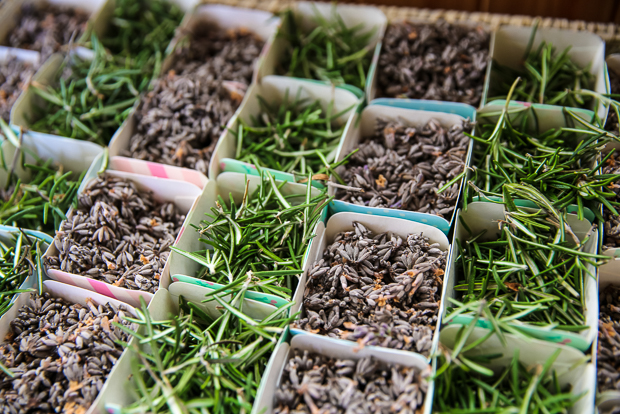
[(42, 199)]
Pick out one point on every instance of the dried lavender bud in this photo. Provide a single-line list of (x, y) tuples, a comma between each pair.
[(437, 61), (612, 117), (611, 227), (608, 364), (377, 290), (118, 235), (14, 76), (45, 27), (181, 119), (402, 167), (61, 354), (313, 383)]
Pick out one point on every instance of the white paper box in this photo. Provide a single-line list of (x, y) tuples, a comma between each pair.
[(273, 89), (71, 294), (11, 12), (540, 118), (62, 151), (184, 269), (586, 49), (372, 91), (183, 195), (261, 23), (101, 21), (484, 216), (570, 364), (22, 55), (342, 222), (362, 125), (8, 235), (609, 273), (24, 111), (119, 390), (352, 15), (329, 347)]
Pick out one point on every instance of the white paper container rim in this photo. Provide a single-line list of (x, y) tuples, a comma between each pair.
[(194, 293), (344, 222), (12, 12)]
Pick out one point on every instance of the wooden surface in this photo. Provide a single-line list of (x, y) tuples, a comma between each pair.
[(472, 11), (589, 10)]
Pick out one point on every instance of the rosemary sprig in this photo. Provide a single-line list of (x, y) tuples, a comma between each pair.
[(199, 364), (297, 137), (548, 78), (261, 242), (18, 261), (93, 97), (535, 271), (330, 52), (464, 383), (560, 163), (142, 29), (39, 202)]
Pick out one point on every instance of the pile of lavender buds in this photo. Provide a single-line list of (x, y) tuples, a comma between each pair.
[(404, 167), (14, 77), (313, 383), (46, 27), (118, 235), (438, 61), (611, 226), (60, 355), (181, 119), (379, 290), (608, 366)]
